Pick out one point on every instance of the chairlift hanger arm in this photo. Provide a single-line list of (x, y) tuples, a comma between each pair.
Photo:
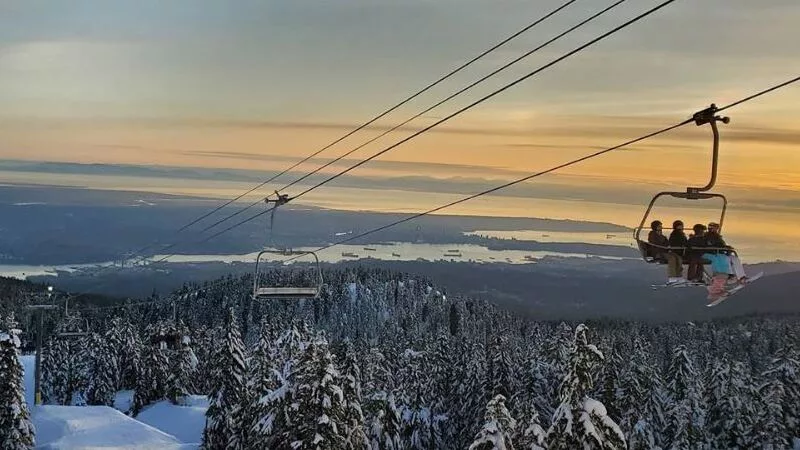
[(709, 116), (280, 199)]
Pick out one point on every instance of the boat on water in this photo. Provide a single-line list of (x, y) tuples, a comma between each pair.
[(396, 254), (369, 249), (349, 255)]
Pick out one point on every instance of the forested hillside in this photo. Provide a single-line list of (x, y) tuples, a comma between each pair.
[(390, 361)]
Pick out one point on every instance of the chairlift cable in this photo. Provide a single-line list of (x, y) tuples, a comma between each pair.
[(465, 108), (377, 117), (430, 108)]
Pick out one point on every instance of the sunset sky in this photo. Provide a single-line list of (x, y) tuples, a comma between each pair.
[(256, 85)]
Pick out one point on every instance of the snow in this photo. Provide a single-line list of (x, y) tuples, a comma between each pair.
[(184, 422), (123, 400), (69, 427), (28, 369), (162, 425), (13, 338)]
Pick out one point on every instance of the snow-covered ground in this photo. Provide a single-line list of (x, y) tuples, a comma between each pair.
[(70, 427), (184, 422), (159, 426)]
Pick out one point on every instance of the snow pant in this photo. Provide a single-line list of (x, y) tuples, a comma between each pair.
[(736, 267), (719, 263), (695, 270), (674, 265)]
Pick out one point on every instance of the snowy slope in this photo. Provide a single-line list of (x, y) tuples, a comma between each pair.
[(71, 427), (28, 367), (184, 422)]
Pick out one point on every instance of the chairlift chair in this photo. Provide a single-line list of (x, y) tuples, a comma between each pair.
[(261, 291), (706, 116), (76, 334)]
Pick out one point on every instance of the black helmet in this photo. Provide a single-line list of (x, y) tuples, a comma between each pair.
[(676, 224), (655, 224), (699, 227)]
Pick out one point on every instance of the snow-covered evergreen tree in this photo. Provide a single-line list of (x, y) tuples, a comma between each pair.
[(124, 339), (498, 376), (261, 380), (784, 369), (322, 417), (55, 376), (685, 422), (182, 367), (386, 426), (225, 418), (16, 429), (354, 432), (65, 365), (103, 372), (151, 382), (531, 435), (497, 429), (580, 421), (472, 391)]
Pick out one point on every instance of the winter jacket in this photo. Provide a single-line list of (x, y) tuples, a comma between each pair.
[(679, 241), (658, 239), (696, 244), (714, 240)]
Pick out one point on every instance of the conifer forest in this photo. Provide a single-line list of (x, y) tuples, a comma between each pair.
[(388, 361)]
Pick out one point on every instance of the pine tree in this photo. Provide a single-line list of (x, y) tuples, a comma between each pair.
[(642, 436), (55, 376), (123, 338), (16, 429), (385, 428), (580, 421), (151, 385), (610, 385), (274, 414), (65, 366), (770, 425), (784, 369), (261, 380), (498, 428), (473, 394), (322, 411), (182, 367), (225, 427), (498, 374), (351, 373), (531, 436), (684, 427), (103, 372), (729, 415)]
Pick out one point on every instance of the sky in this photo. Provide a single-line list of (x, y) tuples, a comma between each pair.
[(256, 85)]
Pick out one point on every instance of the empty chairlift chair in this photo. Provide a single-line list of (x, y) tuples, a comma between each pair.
[(262, 290)]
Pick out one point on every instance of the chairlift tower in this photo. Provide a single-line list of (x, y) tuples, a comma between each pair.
[(37, 387)]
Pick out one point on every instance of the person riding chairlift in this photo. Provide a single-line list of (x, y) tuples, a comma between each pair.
[(695, 253), (659, 243), (726, 267), (677, 243)]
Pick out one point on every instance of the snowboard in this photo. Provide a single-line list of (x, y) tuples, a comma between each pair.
[(735, 289)]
